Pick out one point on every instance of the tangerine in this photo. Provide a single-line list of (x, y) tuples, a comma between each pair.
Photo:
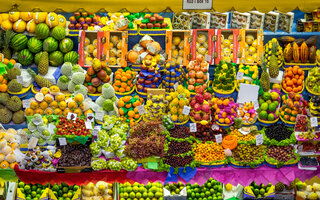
[(131, 113)]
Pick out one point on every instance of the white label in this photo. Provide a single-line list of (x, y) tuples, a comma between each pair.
[(256, 104), (51, 128), (207, 58), (26, 103), (239, 76), (218, 138), (175, 86), (259, 139), (314, 122), (33, 142), (90, 117), (95, 132), (62, 141), (88, 125), (193, 127), (72, 116), (308, 112), (20, 79), (97, 128), (99, 116), (141, 110), (197, 4), (186, 110)]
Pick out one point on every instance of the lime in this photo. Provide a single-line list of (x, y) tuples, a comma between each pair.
[(145, 195), (197, 195), (136, 184), (210, 198), (38, 196), (263, 114), (125, 195), (153, 189), (34, 188), (33, 193), (132, 195), (209, 185), (207, 193), (211, 191), (264, 106), (270, 117), (65, 195), (65, 189), (158, 195), (202, 195), (21, 184), (272, 107), (122, 198), (150, 195), (129, 189), (138, 195)]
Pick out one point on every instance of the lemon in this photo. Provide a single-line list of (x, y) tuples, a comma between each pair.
[(174, 117), (254, 76), (175, 101), (229, 187), (169, 98)]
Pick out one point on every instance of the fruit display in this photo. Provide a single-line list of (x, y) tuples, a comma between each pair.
[(118, 21), (248, 155), (177, 100), (224, 78), (200, 106), (151, 190), (278, 135), (312, 81), (281, 155), (307, 191), (32, 191), (9, 148), (279, 54), (252, 46), (209, 153), (153, 21), (96, 76), (197, 76), (174, 188), (83, 20), (115, 49), (11, 109), (155, 107), (292, 105), (101, 190), (314, 106), (250, 74), (210, 189), (293, 79), (207, 133), (124, 80), (63, 190), (74, 155), (269, 103), (301, 51), (70, 127), (173, 74), (225, 110), (247, 113), (260, 191), (128, 110)]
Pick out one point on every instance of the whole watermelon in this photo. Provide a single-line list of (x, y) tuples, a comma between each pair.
[(19, 42), (72, 57), (50, 44), (34, 45), (56, 58), (42, 31), (66, 45), (58, 32), (37, 58), (25, 57)]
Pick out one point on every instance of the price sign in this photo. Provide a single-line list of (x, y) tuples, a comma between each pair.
[(314, 122), (186, 110), (88, 125), (20, 79), (26, 103), (90, 117), (72, 116), (62, 141), (99, 116), (197, 4), (141, 110), (259, 139), (207, 58), (193, 127), (175, 86), (218, 138), (239, 76), (33, 142)]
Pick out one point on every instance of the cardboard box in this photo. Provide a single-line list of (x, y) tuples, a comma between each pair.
[(257, 43), (185, 45), (219, 20), (181, 196), (209, 41), (200, 20), (286, 21), (271, 21), (229, 48), (92, 36), (256, 20), (182, 21), (240, 20)]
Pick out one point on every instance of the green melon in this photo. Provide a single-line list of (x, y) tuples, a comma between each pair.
[(56, 58), (37, 58), (34, 45), (42, 31), (50, 44), (58, 32), (19, 42), (66, 45), (25, 57), (72, 57)]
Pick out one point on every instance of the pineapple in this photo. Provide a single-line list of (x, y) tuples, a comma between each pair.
[(273, 62), (41, 81), (6, 43), (264, 79), (43, 65)]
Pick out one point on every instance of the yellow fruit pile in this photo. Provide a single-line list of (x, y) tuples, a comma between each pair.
[(177, 100), (205, 152), (8, 144)]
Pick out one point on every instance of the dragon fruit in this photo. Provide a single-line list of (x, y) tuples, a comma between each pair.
[(193, 103), (197, 107), (205, 108), (199, 98), (206, 117), (197, 117), (207, 96)]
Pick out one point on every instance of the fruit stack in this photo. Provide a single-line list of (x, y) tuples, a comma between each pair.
[(211, 189), (8, 147), (313, 81), (197, 76), (115, 49), (269, 102), (301, 51), (11, 109), (90, 50), (224, 78), (227, 48), (292, 105), (251, 49), (202, 44), (293, 80), (225, 110), (64, 191), (177, 50), (81, 21), (140, 191), (268, 52), (96, 76), (100, 190), (177, 101), (128, 108), (201, 107), (155, 107), (108, 100), (31, 191), (124, 80), (259, 191), (250, 74), (71, 127), (153, 21), (174, 188), (247, 113), (173, 74)]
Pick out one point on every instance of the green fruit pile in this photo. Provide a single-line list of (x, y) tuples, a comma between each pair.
[(210, 190), (30, 191), (260, 191), (64, 191), (174, 188), (139, 191), (269, 102)]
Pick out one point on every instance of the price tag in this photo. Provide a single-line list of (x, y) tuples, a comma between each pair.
[(314, 121), (26, 103), (62, 141), (218, 138), (239, 76), (197, 4), (175, 86), (99, 116), (193, 127), (141, 110), (259, 139), (256, 104), (207, 58), (72, 116), (32, 143), (88, 125), (97, 128), (186, 110), (308, 112), (95, 132), (51, 128), (20, 79), (90, 117)]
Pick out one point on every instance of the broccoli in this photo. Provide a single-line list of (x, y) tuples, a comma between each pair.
[(62, 82), (66, 69), (78, 78), (81, 89)]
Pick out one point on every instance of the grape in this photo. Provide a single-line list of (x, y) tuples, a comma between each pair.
[(129, 164), (114, 165), (99, 164)]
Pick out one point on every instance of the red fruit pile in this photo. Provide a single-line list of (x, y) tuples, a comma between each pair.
[(72, 127)]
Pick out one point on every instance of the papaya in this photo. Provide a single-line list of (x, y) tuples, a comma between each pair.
[(299, 41), (288, 53), (304, 52), (312, 54), (295, 52), (286, 39), (311, 41)]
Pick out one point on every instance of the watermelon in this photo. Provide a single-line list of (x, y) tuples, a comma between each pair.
[(58, 32), (72, 57), (19, 42), (50, 44), (66, 45), (34, 45), (42, 31), (25, 57), (37, 58), (56, 58)]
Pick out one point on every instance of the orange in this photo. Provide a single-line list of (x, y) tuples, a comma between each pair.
[(128, 89), (301, 77), (290, 82), (289, 89), (126, 98), (136, 116), (295, 90), (299, 88), (287, 79), (4, 81), (299, 82), (13, 61), (122, 90), (118, 77), (128, 76), (296, 76), (120, 103), (123, 85), (300, 71), (131, 113), (116, 88), (295, 70), (227, 120), (290, 69), (290, 74), (128, 105), (1, 78), (124, 78), (135, 110), (294, 81), (226, 102), (4, 88), (137, 103), (5, 61), (121, 112), (117, 83)]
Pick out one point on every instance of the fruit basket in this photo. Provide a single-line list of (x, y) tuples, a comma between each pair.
[(262, 191), (268, 52), (209, 154), (124, 81), (225, 111), (159, 28), (250, 75), (277, 156), (227, 45), (312, 81), (269, 103), (178, 46), (248, 113), (200, 106), (224, 82), (278, 135), (197, 76), (250, 46)]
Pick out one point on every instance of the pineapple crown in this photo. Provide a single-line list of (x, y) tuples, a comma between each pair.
[(8, 36), (263, 63), (274, 48), (31, 72)]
